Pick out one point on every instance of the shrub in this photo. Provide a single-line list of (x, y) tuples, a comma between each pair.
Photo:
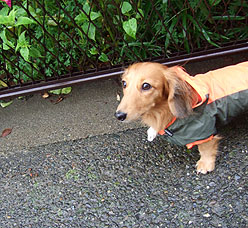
[(62, 37)]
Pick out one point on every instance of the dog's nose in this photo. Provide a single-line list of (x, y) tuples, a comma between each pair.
[(120, 115)]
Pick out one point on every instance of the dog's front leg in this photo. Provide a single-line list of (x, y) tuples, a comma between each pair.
[(208, 152), (151, 134)]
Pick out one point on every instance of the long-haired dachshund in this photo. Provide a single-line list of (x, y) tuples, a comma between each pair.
[(184, 108)]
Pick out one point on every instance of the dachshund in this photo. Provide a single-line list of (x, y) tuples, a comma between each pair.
[(183, 108)]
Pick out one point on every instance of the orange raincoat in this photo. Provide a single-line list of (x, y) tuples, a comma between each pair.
[(223, 94)]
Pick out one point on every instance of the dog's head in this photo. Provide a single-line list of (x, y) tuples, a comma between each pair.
[(149, 87)]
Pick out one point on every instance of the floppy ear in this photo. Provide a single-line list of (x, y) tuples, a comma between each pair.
[(180, 94)]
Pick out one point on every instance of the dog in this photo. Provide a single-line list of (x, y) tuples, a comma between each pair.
[(182, 108)]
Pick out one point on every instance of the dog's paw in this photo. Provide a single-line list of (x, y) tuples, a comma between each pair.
[(203, 166), (151, 134)]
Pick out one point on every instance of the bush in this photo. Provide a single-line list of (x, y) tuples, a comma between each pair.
[(61, 37)]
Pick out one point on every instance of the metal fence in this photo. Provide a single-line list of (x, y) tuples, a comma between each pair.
[(47, 44)]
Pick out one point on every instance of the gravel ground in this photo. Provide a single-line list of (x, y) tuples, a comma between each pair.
[(122, 180)]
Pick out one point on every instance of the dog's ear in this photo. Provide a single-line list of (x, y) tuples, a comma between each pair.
[(180, 96)]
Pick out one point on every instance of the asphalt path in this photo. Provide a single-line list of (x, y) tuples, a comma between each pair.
[(73, 165), (122, 180)]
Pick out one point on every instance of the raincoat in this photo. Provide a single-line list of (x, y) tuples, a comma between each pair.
[(222, 95)]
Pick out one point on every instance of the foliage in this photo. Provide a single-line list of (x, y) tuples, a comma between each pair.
[(5, 104), (64, 91), (61, 37)]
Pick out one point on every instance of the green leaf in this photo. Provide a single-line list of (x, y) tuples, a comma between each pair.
[(103, 57), (52, 22), (126, 7), (169, 34), (204, 10), (21, 12), (194, 4), (66, 90), (5, 104), (139, 14), (34, 52), (86, 8), (89, 29), (24, 51), (21, 42), (81, 18), (130, 27), (67, 62), (24, 21), (93, 51), (4, 20), (5, 47), (8, 20), (56, 91), (84, 15), (33, 12), (184, 29), (6, 43), (22, 38), (4, 11), (214, 2), (202, 31), (205, 34), (80, 34), (3, 84), (12, 16), (94, 15)]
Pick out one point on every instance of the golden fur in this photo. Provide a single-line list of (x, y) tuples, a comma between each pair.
[(164, 96)]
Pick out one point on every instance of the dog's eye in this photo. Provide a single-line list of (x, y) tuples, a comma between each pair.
[(146, 86), (124, 84)]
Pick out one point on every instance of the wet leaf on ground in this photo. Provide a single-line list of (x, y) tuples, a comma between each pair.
[(6, 132)]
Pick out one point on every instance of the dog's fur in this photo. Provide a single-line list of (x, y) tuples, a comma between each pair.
[(168, 97)]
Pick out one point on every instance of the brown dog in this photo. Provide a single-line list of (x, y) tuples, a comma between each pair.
[(181, 107)]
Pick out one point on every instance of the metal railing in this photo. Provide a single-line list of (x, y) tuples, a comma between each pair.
[(52, 44)]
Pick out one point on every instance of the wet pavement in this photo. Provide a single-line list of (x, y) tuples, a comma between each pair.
[(73, 165), (122, 180)]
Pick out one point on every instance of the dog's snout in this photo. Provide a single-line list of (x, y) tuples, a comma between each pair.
[(120, 115)]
